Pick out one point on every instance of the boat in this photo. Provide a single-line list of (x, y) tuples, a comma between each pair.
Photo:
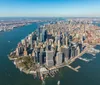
[(58, 83), (8, 41)]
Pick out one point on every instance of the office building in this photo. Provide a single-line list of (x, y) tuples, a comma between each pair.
[(17, 51), (41, 37), (44, 35), (66, 41), (49, 58), (80, 47), (42, 56), (59, 58), (65, 51), (59, 48), (34, 55), (76, 52), (30, 41), (25, 52)]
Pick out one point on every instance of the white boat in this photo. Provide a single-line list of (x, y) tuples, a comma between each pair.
[(58, 83), (8, 41)]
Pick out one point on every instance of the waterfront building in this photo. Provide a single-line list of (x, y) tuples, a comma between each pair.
[(65, 51), (38, 32), (17, 51), (73, 52), (49, 58), (23, 41), (59, 58), (76, 52), (78, 49)]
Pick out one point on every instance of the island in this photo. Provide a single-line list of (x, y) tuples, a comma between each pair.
[(55, 45)]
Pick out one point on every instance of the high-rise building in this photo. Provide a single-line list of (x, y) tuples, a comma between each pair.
[(59, 45), (44, 35), (49, 58), (66, 41), (65, 51), (76, 52), (41, 38), (59, 58), (23, 42), (73, 52), (25, 52), (38, 32), (30, 41), (42, 56), (17, 51), (78, 49), (34, 55), (37, 51)]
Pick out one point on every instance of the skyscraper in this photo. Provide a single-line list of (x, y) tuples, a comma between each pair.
[(34, 55), (66, 41), (25, 52), (59, 58), (17, 51), (58, 45), (30, 41), (42, 56), (49, 58), (44, 35), (41, 37), (65, 51), (78, 49)]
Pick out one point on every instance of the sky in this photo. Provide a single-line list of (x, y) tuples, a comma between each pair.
[(49, 8)]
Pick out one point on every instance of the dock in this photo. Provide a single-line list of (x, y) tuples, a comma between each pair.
[(74, 69)]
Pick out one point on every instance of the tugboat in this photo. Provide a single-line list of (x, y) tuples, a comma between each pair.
[(58, 83)]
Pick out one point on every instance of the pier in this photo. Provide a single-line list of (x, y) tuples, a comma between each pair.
[(74, 69)]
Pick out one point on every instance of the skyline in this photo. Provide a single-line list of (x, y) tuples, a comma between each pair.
[(49, 8)]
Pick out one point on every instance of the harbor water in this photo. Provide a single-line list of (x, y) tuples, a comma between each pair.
[(89, 73)]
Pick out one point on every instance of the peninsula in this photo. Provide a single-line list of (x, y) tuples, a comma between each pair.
[(56, 45)]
